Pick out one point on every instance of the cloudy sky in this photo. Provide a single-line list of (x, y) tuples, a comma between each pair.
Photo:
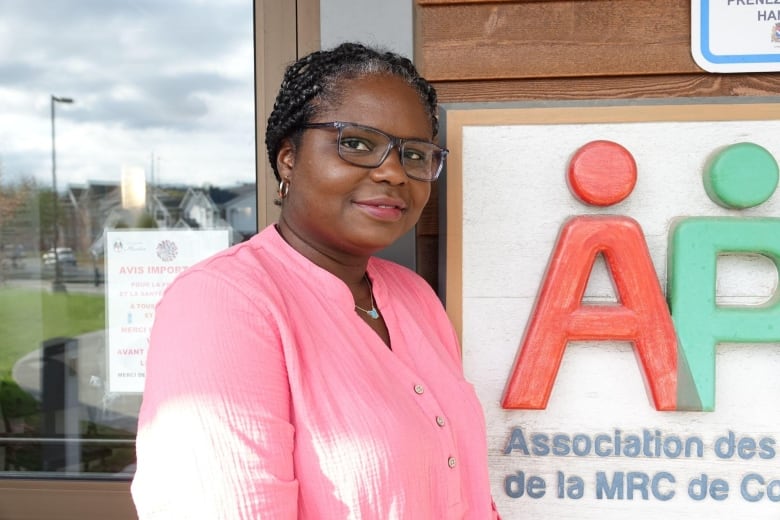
[(158, 84)]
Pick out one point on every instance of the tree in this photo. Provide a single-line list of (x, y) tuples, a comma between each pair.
[(12, 199)]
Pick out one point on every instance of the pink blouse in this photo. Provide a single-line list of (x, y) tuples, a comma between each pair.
[(267, 396)]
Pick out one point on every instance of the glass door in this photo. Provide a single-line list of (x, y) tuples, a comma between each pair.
[(128, 128)]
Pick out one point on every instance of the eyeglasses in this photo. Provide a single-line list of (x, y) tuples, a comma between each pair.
[(368, 147)]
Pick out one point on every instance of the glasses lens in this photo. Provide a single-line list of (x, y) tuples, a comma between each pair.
[(421, 159), (363, 146)]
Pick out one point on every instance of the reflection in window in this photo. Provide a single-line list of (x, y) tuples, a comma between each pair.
[(116, 116)]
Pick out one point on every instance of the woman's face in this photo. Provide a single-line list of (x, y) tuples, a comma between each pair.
[(341, 209)]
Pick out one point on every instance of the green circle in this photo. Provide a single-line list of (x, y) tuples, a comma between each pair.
[(740, 176)]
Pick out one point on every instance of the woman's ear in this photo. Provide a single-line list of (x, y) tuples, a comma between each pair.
[(285, 158)]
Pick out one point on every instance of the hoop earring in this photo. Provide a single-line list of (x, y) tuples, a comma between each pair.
[(284, 188)]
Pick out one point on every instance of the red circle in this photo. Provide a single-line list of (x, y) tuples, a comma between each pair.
[(602, 173)]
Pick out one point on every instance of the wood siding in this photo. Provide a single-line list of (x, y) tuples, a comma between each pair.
[(505, 50)]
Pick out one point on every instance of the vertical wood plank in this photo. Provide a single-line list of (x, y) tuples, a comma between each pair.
[(284, 31)]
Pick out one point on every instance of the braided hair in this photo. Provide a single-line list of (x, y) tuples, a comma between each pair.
[(319, 76)]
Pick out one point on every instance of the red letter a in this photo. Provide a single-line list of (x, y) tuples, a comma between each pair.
[(641, 316)]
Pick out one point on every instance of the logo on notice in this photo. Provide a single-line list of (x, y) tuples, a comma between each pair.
[(167, 250), (776, 33)]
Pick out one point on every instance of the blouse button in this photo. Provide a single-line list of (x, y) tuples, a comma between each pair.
[(418, 389), (451, 462), (440, 420)]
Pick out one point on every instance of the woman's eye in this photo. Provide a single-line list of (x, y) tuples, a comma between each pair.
[(413, 155), (356, 145)]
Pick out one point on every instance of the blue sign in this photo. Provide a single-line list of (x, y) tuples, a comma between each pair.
[(736, 35)]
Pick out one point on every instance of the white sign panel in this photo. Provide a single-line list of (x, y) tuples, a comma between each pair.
[(139, 266), (736, 35), (600, 449)]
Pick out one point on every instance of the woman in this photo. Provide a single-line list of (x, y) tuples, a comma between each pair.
[(295, 375)]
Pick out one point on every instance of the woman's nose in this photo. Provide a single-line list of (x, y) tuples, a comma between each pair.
[(391, 169)]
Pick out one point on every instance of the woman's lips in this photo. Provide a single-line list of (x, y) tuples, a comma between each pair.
[(383, 209)]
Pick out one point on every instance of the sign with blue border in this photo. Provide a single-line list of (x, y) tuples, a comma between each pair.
[(736, 35)]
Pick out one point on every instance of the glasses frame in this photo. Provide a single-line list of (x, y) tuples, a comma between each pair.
[(394, 142)]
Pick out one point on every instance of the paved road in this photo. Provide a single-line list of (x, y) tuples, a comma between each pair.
[(83, 366), (29, 270)]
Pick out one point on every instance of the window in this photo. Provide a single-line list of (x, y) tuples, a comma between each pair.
[(127, 125)]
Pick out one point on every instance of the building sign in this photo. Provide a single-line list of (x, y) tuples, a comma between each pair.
[(736, 35), (613, 275), (139, 266)]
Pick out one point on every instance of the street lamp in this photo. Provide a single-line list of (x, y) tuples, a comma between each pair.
[(57, 285)]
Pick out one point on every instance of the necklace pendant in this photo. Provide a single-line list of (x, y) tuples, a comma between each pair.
[(373, 314)]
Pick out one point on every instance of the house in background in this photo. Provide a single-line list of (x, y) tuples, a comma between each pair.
[(88, 210), (163, 204), (241, 211), (199, 211), (85, 211)]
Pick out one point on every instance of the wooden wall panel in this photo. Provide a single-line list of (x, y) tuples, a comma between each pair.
[(526, 50), (622, 87), (460, 42)]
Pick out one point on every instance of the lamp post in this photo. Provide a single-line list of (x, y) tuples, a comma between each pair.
[(57, 285)]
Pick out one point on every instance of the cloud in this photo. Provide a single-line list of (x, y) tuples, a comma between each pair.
[(145, 75)]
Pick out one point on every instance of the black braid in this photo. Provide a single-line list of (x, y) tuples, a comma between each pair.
[(319, 78)]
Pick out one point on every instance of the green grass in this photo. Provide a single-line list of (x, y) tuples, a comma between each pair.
[(27, 318)]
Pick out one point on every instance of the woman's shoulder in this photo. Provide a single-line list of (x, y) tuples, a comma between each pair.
[(243, 267), (395, 272), (397, 277)]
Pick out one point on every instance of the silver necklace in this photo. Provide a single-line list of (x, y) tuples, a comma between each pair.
[(372, 313)]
